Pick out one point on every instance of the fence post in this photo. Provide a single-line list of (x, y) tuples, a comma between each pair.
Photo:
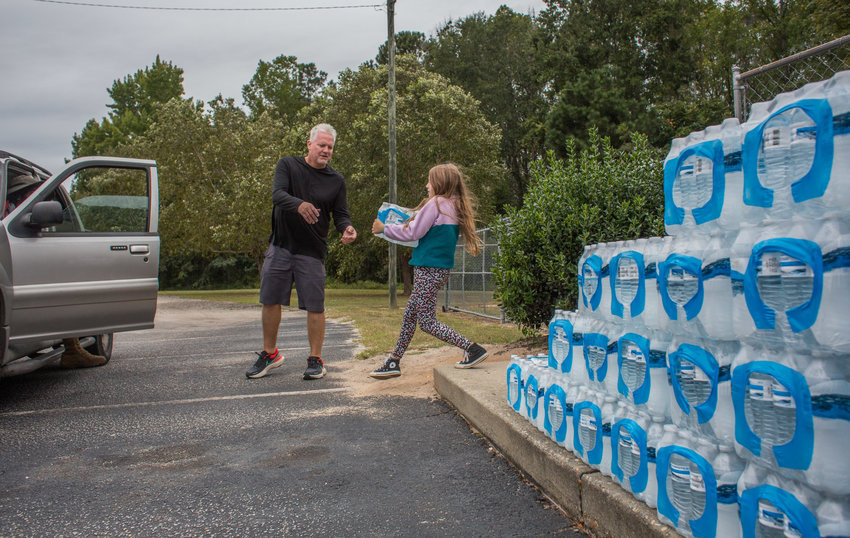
[(738, 93)]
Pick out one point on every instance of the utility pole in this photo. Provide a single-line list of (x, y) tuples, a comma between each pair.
[(391, 130)]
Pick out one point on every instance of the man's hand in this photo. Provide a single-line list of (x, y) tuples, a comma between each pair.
[(309, 213), (377, 227), (349, 235)]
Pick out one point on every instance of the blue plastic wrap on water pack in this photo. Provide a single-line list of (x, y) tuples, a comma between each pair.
[(800, 517), (599, 341), (692, 266), (594, 456), (712, 150), (814, 183), (641, 394), (559, 434), (637, 305), (797, 453), (637, 482), (705, 525), (565, 364), (594, 263), (705, 361), (802, 316), (514, 380), (531, 387)]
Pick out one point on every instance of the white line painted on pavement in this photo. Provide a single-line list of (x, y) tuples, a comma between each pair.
[(172, 402)]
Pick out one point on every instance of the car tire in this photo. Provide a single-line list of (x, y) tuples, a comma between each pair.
[(102, 345)]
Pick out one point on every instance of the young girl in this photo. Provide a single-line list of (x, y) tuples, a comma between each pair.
[(446, 213)]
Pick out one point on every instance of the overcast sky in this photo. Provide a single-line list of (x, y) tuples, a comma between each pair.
[(58, 59)]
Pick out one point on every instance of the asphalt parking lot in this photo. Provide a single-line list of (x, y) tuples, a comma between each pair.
[(170, 438)]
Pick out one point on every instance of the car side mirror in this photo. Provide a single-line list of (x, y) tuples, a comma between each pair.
[(45, 214)]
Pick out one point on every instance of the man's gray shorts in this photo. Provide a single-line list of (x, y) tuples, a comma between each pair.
[(281, 269)]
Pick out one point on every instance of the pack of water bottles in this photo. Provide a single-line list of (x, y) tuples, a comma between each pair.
[(708, 372)]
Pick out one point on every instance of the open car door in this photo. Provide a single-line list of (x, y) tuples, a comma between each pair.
[(85, 251)]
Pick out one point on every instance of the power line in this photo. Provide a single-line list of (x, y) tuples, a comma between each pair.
[(162, 8)]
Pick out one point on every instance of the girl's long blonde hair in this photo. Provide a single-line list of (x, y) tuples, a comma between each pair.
[(449, 182)]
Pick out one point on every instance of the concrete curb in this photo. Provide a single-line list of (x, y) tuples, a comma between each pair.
[(586, 495)]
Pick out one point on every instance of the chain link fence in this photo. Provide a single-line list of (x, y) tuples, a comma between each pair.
[(765, 82), (470, 287)]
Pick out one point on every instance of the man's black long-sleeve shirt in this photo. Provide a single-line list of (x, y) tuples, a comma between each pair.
[(295, 182)]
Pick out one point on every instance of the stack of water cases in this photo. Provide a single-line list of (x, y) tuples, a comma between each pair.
[(708, 372)]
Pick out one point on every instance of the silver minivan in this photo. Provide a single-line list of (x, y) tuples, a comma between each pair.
[(79, 256)]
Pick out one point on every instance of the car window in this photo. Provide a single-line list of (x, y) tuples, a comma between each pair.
[(98, 200)]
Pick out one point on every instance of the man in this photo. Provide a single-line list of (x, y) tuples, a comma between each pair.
[(307, 192), (18, 189)]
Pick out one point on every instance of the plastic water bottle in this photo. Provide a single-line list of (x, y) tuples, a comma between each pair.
[(679, 489), (743, 325), (832, 327), (681, 282), (514, 383), (731, 137), (728, 467), (779, 285), (595, 293), (716, 312), (626, 274), (773, 168), (561, 340), (555, 398), (833, 517), (587, 427), (699, 501), (607, 412), (654, 434), (759, 406), (774, 506), (828, 379), (837, 196)]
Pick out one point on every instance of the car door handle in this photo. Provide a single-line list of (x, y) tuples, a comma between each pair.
[(140, 249)]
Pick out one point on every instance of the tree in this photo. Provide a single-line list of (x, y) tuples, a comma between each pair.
[(282, 87), (495, 59), (133, 101), (406, 42), (437, 122)]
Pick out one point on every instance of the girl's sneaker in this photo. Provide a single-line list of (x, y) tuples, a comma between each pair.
[(472, 356), (390, 368)]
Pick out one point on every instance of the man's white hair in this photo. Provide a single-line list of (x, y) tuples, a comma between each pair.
[(322, 128)]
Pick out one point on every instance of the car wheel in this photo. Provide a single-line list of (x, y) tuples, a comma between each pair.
[(102, 346)]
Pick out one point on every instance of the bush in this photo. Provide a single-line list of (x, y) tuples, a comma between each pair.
[(598, 194), (199, 272)]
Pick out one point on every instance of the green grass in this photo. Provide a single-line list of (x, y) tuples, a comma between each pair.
[(368, 310)]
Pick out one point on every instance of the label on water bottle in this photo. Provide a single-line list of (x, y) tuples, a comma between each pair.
[(779, 264), (531, 393), (680, 473), (588, 422), (791, 530), (782, 396), (770, 517), (700, 375), (634, 353), (678, 275), (760, 390), (686, 371), (626, 270), (697, 482), (772, 137)]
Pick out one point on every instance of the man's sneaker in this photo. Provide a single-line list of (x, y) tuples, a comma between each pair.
[(315, 368), (265, 362), (472, 356), (390, 368)]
